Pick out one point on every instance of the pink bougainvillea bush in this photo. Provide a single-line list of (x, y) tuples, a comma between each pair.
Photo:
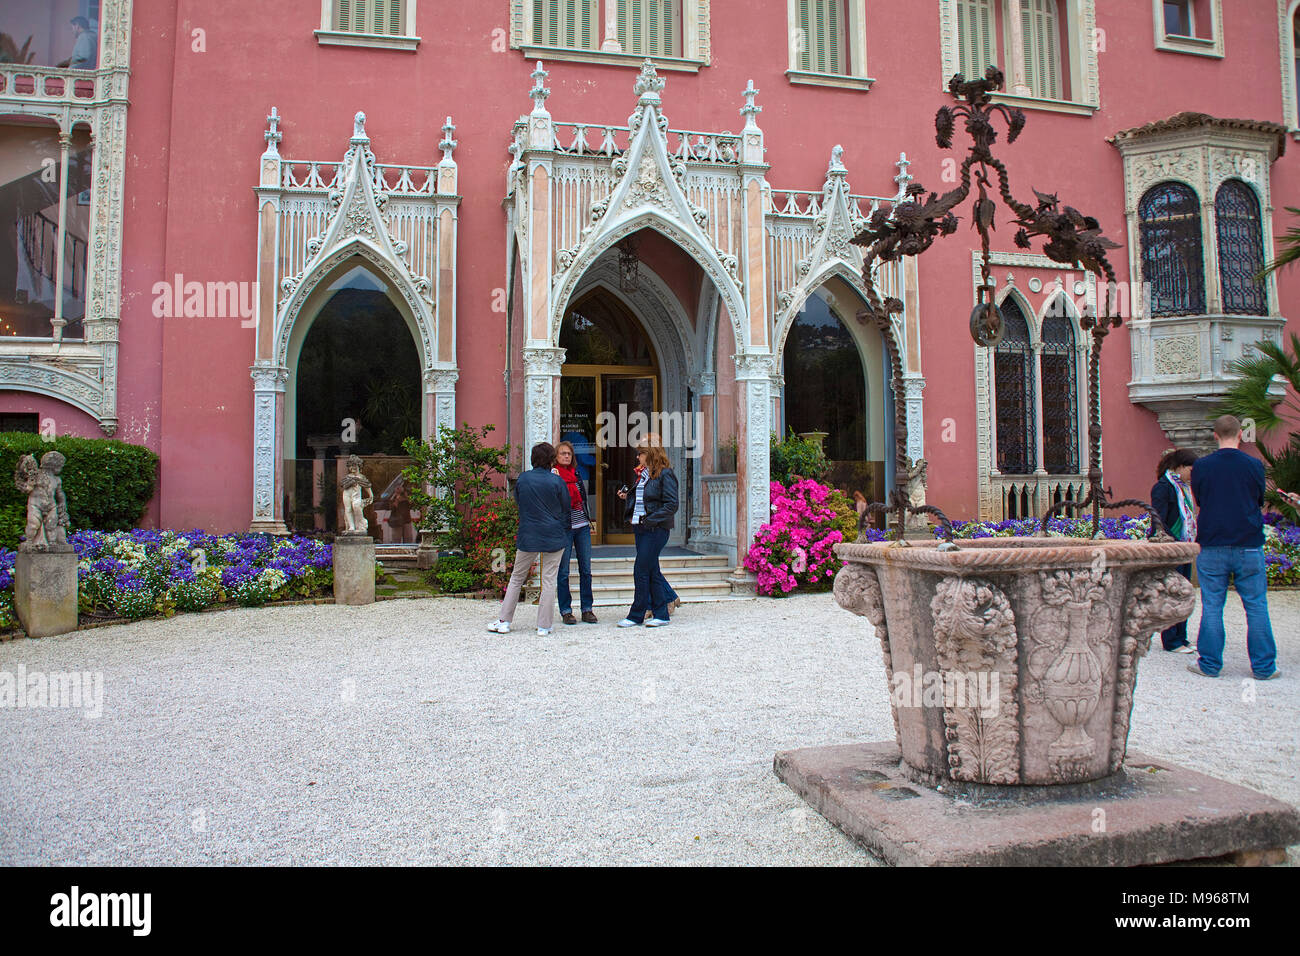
[(795, 550)]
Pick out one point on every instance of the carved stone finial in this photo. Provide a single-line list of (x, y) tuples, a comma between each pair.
[(539, 92), (904, 178), (750, 110), (649, 84), (359, 128), (273, 135), (47, 508), (448, 142)]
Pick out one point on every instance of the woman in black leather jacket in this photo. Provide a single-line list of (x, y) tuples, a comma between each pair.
[(1172, 477), (650, 509)]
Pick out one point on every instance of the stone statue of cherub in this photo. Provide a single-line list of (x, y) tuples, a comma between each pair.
[(47, 508), (357, 497)]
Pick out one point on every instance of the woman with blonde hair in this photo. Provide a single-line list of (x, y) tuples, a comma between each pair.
[(650, 510)]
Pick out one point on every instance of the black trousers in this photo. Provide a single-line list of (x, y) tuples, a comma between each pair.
[(1176, 636)]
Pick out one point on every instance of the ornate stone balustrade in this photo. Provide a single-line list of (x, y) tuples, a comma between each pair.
[(49, 85), (1181, 368), (1029, 496)]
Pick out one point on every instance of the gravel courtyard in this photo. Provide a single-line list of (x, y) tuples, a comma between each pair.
[(404, 733)]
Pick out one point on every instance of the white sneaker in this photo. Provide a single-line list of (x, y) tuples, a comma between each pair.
[(628, 622), (657, 622), (499, 627), (1185, 649), (543, 632)]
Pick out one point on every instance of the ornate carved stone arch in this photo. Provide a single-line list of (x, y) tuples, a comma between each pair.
[(324, 268)]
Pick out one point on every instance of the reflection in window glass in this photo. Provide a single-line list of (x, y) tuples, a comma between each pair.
[(30, 244), (825, 388), (62, 33), (1178, 18)]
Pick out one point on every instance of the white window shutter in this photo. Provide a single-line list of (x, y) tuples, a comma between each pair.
[(648, 27), (975, 37), (1040, 26)]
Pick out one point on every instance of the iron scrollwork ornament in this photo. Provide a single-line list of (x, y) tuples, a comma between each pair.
[(1069, 237)]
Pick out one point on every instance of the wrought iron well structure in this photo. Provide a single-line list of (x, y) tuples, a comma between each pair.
[(1070, 237)]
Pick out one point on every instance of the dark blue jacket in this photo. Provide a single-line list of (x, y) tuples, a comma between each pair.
[(1164, 499), (660, 499), (1229, 490), (544, 511)]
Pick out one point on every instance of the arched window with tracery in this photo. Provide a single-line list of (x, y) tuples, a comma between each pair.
[(1060, 378), (1013, 389), (1241, 249), (1173, 266)]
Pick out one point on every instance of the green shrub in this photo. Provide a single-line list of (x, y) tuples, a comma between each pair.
[(453, 576), (490, 541), (797, 456), (108, 483)]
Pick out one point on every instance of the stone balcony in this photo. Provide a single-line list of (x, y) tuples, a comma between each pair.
[(1181, 368)]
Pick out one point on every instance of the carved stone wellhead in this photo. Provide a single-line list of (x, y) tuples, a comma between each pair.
[(1013, 660), (1010, 661)]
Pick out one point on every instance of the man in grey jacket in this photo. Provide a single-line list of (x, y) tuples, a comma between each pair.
[(544, 515)]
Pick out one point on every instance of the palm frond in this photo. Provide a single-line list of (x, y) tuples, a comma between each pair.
[(1288, 248)]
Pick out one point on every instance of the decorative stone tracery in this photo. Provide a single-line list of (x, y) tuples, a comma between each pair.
[(314, 220)]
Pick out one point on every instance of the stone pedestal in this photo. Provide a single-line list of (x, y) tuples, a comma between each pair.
[(45, 591), (426, 555), (1150, 811), (354, 569)]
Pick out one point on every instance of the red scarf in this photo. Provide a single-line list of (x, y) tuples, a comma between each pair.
[(570, 476)]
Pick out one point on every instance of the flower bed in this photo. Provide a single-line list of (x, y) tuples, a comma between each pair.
[(1281, 538), (135, 574), (796, 549)]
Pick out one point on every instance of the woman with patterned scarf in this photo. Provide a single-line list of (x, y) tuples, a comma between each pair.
[(1171, 497), (579, 539)]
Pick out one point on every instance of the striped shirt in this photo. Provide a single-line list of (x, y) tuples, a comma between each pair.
[(579, 519), (638, 510)]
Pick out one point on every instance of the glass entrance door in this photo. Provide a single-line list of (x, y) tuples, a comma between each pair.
[(604, 412), (630, 402)]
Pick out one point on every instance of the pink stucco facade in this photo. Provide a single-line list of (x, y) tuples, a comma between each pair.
[(205, 75)]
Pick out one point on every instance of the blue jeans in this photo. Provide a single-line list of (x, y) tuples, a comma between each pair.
[(651, 591), (579, 541), (1246, 565)]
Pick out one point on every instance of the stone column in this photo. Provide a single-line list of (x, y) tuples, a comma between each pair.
[(57, 321), (702, 387), (610, 44), (268, 437), (754, 372), (913, 385), (541, 395), (1040, 472), (440, 386)]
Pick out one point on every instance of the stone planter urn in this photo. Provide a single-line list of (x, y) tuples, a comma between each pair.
[(1012, 661), (426, 555)]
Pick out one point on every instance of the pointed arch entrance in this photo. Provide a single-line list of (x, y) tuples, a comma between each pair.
[(318, 224), (609, 399)]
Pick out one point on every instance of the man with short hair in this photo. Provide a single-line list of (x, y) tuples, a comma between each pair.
[(85, 47), (544, 516), (1229, 488)]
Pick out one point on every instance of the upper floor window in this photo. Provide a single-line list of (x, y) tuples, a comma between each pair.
[(1188, 26), (42, 33), (1059, 373), (1241, 249), (44, 232), (566, 23), (1046, 48), (1013, 388), (828, 43), (674, 33), (650, 27), (380, 23), (1173, 270)]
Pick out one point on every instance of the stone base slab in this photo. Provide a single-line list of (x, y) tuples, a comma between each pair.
[(1153, 811), (354, 569), (45, 591)]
